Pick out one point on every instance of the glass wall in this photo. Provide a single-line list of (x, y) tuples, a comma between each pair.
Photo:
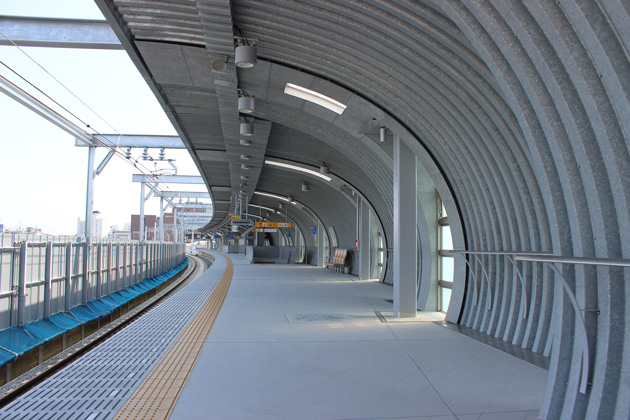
[(445, 262)]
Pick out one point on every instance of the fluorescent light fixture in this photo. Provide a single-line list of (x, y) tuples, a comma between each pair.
[(261, 207), (271, 195), (298, 168), (315, 97)]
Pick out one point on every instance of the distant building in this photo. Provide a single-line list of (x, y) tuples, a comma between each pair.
[(97, 225), (152, 227), (116, 234)]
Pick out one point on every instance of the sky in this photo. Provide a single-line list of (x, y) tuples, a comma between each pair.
[(43, 175)]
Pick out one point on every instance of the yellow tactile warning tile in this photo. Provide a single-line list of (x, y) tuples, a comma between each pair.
[(156, 397)]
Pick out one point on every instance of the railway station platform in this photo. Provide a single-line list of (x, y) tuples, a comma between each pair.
[(293, 342)]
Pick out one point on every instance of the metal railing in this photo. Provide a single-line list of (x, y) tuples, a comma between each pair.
[(551, 260), (509, 256), (38, 279)]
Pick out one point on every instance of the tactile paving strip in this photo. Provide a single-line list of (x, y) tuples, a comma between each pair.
[(97, 385), (156, 397)]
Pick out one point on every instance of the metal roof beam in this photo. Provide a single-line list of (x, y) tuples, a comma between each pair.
[(58, 33), (186, 194), (137, 140), (169, 179)]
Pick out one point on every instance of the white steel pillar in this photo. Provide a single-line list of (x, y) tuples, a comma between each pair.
[(405, 245), (141, 237), (364, 240), (89, 200), (320, 244), (161, 219)]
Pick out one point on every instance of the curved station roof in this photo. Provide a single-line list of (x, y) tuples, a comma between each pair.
[(518, 113)]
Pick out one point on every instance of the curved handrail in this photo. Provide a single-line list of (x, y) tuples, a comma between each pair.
[(472, 273), (552, 261), (508, 255)]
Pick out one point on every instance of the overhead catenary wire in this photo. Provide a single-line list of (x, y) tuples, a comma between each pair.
[(60, 83), (103, 141)]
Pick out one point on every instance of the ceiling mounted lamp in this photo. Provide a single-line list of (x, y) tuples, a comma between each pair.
[(243, 166), (280, 205), (246, 104), (245, 177), (305, 186), (245, 157), (245, 142), (245, 56), (324, 169), (290, 199), (245, 51), (383, 134), (247, 128)]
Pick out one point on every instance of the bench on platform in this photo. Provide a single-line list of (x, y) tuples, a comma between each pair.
[(338, 261)]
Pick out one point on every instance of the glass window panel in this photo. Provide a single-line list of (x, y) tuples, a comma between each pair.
[(446, 238), (446, 298)]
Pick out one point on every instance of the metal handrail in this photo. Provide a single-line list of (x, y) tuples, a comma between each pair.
[(552, 260), (508, 255)]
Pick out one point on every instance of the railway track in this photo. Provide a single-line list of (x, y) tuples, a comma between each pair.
[(17, 387)]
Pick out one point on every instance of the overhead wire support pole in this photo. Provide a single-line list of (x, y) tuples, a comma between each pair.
[(89, 200), (161, 219), (141, 234)]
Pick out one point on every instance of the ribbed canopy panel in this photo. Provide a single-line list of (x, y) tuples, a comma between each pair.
[(521, 108)]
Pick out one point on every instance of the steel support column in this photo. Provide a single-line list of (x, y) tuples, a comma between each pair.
[(405, 245), (161, 219), (364, 240), (89, 200), (320, 244), (141, 235)]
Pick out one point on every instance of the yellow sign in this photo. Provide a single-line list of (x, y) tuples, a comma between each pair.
[(273, 225)]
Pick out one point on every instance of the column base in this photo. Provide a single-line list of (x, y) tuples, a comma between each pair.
[(405, 314)]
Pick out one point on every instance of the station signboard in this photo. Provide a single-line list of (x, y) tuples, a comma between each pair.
[(273, 225), (262, 230)]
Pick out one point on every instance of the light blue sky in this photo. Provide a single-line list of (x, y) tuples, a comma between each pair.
[(42, 174)]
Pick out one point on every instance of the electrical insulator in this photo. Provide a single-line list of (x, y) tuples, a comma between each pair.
[(145, 153), (162, 153), (128, 153)]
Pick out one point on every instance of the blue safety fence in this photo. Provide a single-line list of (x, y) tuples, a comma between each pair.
[(15, 341)]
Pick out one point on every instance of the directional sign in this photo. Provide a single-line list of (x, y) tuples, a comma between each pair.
[(265, 230), (273, 225)]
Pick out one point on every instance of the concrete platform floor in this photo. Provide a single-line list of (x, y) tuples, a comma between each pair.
[(299, 342)]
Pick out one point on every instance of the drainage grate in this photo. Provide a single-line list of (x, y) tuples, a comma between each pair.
[(96, 386)]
